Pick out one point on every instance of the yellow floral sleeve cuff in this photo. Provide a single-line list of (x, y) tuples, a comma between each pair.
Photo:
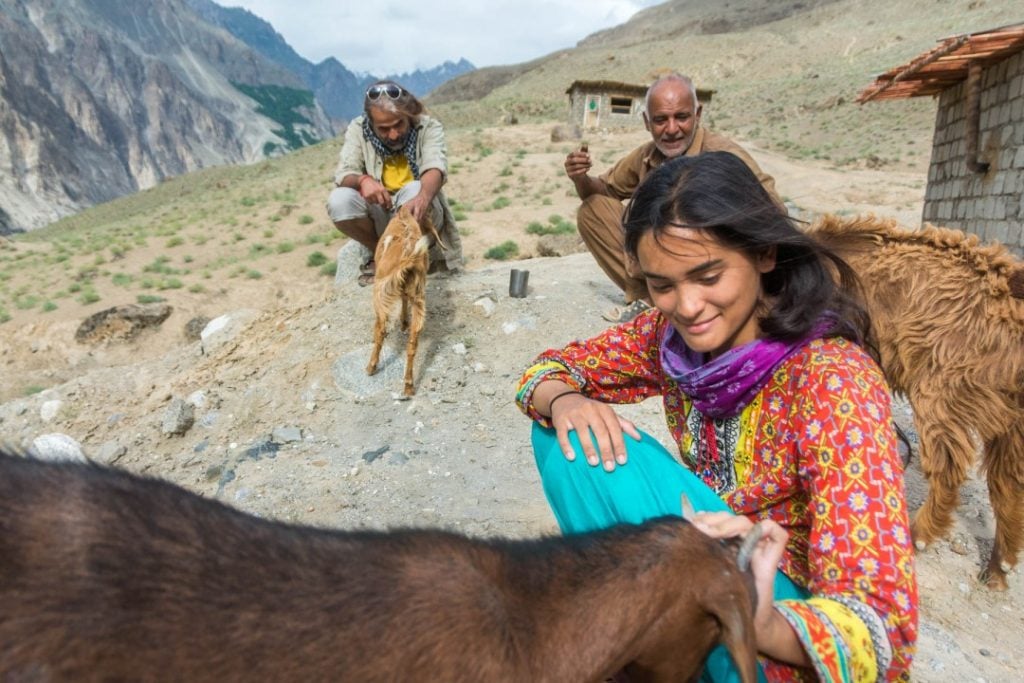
[(844, 638)]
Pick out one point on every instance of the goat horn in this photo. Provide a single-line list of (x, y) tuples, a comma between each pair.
[(687, 506), (751, 540)]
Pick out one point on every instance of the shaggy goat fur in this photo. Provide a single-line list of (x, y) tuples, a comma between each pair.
[(106, 576), (948, 316), (402, 262)]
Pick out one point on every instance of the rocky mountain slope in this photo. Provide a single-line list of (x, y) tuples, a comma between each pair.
[(99, 100)]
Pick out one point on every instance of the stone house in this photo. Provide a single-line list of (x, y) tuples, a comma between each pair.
[(976, 175), (611, 104)]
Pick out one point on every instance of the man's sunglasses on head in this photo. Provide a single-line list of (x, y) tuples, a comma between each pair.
[(390, 89)]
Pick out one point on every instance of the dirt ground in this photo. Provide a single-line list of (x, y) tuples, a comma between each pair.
[(456, 455)]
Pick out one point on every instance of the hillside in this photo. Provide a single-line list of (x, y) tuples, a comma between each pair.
[(785, 82)]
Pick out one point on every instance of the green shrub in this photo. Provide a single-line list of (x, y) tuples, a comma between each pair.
[(329, 269), (253, 274), (89, 296), (4, 316), (316, 259), (285, 247), (49, 306), (305, 219), (170, 283), (175, 241), (149, 299), (501, 202), (556, 226), (503, 251), (196, 288)]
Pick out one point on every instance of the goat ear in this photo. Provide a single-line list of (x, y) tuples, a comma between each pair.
[(687, 507)]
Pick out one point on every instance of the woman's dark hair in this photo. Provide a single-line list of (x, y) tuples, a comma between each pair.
[(379, 96), (718, 194)]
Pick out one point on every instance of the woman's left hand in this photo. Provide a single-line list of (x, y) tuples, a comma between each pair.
[(764, 561)]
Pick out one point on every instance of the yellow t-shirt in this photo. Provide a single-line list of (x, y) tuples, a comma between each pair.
[(397, 172)]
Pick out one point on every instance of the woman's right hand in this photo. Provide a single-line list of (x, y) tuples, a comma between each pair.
[(585, 416)]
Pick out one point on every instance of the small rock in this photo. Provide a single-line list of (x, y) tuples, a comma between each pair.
[(194, 327), (178, 418), (984, 652), (57, 447), (110, 452), (197, 399), (286, 434), (50, 409), (370, 456), (459, 349), (959, 546), (201, 446), (964, 588), (509, 327), (263, 447), (487, 304)]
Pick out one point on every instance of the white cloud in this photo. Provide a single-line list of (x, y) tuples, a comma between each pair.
[(398, 36)]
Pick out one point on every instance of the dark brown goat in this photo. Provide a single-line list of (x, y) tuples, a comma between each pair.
[(948, 316), (109, 576)]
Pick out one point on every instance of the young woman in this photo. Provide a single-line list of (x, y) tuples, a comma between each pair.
[(779, 413)]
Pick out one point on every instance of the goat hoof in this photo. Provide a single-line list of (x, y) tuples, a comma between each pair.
[(409, 391), (371, 369), (920, 545), (993, 579)]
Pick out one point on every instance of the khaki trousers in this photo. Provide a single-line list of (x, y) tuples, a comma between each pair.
[(599, 221)]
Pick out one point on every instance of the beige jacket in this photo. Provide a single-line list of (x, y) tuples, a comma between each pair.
[(358, 157)]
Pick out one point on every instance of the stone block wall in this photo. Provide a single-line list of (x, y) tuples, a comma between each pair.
[(991, 204)]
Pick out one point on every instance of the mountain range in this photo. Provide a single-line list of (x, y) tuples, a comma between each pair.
[(339, 90), (101, 99)]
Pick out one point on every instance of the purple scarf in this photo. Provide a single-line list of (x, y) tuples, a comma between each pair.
[(724, 386)]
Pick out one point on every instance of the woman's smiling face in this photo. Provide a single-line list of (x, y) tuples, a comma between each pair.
[(707, 291)]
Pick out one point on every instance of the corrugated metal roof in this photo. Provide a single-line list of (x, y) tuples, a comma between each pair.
[(945, 65)]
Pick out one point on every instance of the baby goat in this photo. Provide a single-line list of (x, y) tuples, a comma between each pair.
[(109, 576), (948, 314), (402, 261)]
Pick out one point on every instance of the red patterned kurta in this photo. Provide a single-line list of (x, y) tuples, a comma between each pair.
[(817, 454)]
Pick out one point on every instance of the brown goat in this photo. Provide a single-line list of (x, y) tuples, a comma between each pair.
[(110, 576), (402, 262), (948, 317)]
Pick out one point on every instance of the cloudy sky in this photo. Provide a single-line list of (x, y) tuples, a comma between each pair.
[(395, 36)]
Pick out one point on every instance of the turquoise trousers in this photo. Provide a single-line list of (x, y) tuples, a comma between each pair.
[(586, 498)]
